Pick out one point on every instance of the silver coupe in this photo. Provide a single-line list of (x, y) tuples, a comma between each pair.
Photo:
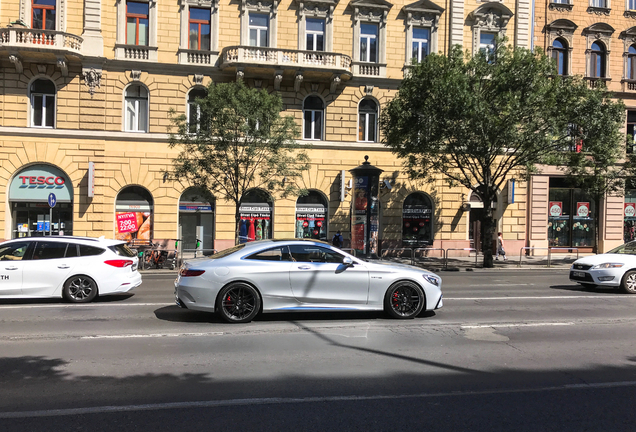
[(300, 276)]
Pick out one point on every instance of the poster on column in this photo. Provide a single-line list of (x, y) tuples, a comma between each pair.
[(359, 233), (133, 225)]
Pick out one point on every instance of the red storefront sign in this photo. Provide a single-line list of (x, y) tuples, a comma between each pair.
[(555, 208), (127, 222), (582, 209), (629, 210)]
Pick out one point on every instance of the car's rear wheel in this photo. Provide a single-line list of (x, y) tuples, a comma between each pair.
[(628, 284), (238, 303), (79, 289), (404, 300)]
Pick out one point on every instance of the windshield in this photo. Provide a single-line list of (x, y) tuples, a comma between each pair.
[(228, 251), (627, 248)]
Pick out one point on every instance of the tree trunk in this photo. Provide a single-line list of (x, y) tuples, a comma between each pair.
[(488, 229), (237, 223)]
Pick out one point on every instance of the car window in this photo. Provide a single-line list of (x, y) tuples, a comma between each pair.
[(49, 250), (228, 251), (311, 253), (13, 251), (71, 250), (280, 253), (122, 250), (90, 250), (627, 248)]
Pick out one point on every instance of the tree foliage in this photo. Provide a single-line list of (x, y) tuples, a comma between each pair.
[(238, 142), (478, 120)]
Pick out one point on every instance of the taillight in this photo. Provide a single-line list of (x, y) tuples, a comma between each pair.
[(188, 272), (119, 263)]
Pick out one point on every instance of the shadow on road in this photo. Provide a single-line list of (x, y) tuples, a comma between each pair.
[(177, 314), (58, 300), (580, 288)]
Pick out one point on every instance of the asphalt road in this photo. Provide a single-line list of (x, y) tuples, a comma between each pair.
[(512, 350)]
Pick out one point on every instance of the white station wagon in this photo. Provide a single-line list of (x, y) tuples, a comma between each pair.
[(75, 268)]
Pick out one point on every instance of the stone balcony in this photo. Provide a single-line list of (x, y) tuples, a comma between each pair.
[(31, 44), (628, 85), (136, 52), (300, 65)]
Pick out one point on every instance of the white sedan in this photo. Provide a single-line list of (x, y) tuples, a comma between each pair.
[(301, 275), (616, 268), (75, 268)]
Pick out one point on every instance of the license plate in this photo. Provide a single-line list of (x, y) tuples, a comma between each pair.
[(578, 274)]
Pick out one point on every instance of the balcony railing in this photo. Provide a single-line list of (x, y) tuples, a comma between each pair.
[(284, 57), (40, 39), (629, 84), (198, 57), (595, 82), (135, 52), (369, 69)]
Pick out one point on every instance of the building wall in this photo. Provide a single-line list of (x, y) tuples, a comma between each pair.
[(89, 126)]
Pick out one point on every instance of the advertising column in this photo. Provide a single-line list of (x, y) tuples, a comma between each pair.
[(365, 210)]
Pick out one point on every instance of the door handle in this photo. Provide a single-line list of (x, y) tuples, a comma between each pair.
[(11, 268), (63, 266), (304, 267)]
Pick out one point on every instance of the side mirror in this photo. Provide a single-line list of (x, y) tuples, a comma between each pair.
[(347, 261)]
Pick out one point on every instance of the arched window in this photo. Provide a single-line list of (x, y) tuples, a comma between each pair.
[(367, 120), (133, 214), (255, 212), (311, 216), (43, 103), (194, 109), (136, 109), (598, 60), (560, 56), (196, 220), (417, 220), (631, 62), (313, 114)]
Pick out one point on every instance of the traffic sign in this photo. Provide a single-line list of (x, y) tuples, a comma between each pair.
[(52, 200)]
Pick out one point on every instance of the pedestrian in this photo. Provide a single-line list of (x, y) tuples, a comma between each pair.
[(500, 247), (337, 239)]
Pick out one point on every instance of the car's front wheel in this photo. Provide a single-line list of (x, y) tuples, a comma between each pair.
[(79, 289), (238, 303), (628, 283), (404, 300)]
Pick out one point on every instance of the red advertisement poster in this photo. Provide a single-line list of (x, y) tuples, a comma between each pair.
[(555, 208), (582, 209), (127, 222), (630, 209), (358, 236)]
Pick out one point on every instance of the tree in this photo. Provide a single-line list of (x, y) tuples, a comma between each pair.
[(479, 120), (238, 141), (596, 159)]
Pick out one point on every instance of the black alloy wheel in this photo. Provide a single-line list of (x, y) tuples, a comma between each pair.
[(238, 303), (79, 289), (404, 300)]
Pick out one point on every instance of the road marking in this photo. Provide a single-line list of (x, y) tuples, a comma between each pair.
[(151, 335), (541, 297), (516, 325), (39, 306), (283, 401)]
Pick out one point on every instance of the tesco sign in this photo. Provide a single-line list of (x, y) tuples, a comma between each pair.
[(35, 181)]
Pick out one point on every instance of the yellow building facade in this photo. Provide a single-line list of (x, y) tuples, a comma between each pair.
[(87, 90)]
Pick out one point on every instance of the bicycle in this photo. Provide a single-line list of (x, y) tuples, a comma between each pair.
[(156, 257)]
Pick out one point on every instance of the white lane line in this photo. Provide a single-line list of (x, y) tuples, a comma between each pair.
[(516, 325), (152, 335), (282, 401), (540, 297), (40, 306)]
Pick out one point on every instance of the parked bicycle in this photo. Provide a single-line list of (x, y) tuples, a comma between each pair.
[(155, 257)]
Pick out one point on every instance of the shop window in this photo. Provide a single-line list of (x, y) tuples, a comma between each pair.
[(560, 56), (199, 26), (417, 220), (43, 103), (136, 109), (43, 14), (133, 215), (598, 60), (631, 131), (196, 220), (255, 213), (311, 216), (367, 120), (137, 23), (194, 110), (313, 115), (629, 215), (570, 216)]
